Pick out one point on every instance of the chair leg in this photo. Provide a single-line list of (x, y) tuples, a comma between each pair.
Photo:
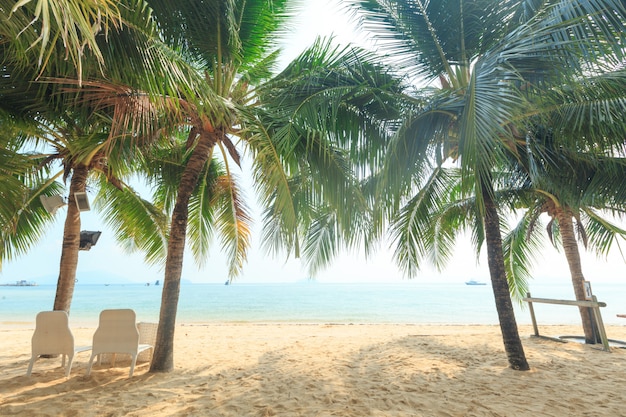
[(133, 360), (30, 364), (70, 360), (91, 363)]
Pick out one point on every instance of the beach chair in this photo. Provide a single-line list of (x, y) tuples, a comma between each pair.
[(53, 336), (117, 333)]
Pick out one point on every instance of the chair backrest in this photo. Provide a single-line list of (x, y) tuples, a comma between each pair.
[(116, 333), (52, 334)]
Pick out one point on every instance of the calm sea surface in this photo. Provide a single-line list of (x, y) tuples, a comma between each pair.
[(310, 302)]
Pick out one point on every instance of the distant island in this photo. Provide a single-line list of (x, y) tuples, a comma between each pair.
[(21, 283)]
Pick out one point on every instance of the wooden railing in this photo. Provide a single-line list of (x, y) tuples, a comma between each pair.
[(593, 304)]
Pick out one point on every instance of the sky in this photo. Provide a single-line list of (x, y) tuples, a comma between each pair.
[(107, 263)]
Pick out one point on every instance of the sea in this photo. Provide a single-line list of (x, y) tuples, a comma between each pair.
[(407, 302)]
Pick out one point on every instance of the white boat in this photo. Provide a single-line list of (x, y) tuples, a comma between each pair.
[(474, 282)]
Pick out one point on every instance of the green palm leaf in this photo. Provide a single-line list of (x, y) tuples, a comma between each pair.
[(138, 224)]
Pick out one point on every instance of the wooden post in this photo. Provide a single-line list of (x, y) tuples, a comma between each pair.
[(592, 304), (532, 315), (600, 323)]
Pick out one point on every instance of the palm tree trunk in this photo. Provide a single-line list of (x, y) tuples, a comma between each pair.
[(71, 243), (504, 306), (570, 247), (163, 357)]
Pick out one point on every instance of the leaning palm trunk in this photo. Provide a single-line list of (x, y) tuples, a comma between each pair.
[(504, 306), (570, 247), (163, 358), (71, 242)]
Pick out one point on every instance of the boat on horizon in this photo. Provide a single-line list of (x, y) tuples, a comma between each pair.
[(474, 282)]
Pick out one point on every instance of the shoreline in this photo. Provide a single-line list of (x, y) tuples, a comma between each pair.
[(8, 326), (326, 369)]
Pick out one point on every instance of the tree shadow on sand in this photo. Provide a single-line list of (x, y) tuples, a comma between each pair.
[(414, 375)]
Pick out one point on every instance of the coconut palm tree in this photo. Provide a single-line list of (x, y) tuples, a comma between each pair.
[(302, 172), (68, 151), (432, 220), (578, 191), (40, 88), (303, 176), (479, 59), (211, 100)]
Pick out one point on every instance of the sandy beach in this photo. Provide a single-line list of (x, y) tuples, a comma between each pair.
[(326, 370)]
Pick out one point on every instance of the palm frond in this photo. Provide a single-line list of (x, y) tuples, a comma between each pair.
[(321, 243), (234, 223), (222, 31), (138, 224), (430, 38), (428, 223), (25, 220), (37, 27), (520, 246), (602, 234)]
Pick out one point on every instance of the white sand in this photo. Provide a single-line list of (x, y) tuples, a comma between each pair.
[(326, 370)]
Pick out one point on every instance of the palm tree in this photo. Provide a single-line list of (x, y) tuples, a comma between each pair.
[(577, 190), (218, 52), (39, 88), (431, 221), (479, 59), (580, 202), (303, 172), (67, 151)]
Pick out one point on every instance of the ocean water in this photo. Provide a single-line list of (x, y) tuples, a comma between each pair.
[(308, 302)]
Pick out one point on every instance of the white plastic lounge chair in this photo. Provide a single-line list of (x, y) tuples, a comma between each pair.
[(117, 333), (53, 337)]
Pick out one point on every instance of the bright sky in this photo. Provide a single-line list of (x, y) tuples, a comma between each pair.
[(106, 260)]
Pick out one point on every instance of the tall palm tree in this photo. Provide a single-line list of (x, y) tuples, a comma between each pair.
[(577, 190), (302, 171), (38, 87), (478, 59), (68, 151), (431, 221), (225, 50)]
